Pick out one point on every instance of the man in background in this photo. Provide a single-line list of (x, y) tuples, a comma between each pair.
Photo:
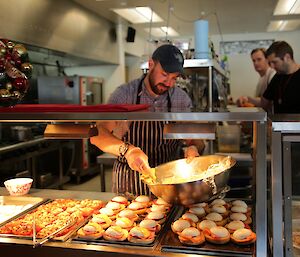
[(266, 73), (283, 95), (283, 92)]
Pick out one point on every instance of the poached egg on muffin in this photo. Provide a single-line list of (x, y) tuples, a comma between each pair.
[(179, 225), (191, 236), (243, 236), (217, 235)]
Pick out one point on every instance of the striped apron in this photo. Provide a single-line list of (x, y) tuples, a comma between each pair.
[(147, 135)]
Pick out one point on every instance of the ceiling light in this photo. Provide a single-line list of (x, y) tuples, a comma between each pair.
[(162, 32), (138, 14), (283, 25), (287, 7)]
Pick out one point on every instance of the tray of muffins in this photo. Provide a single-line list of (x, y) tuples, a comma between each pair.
[(138, 222), (221, 227)]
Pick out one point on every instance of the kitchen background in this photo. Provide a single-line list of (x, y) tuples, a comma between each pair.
[(76, 29), (85, 38)]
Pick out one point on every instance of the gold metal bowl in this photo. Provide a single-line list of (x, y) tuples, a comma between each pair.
[(205, 178)]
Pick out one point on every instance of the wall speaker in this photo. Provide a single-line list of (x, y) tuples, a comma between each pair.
[(130, 34)]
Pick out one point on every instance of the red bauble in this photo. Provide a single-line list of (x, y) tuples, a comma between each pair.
[(21, 84)]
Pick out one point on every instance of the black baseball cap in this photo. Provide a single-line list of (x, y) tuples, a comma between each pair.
[(170, 58)]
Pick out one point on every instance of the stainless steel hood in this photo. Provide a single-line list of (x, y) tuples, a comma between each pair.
[(59, 25)]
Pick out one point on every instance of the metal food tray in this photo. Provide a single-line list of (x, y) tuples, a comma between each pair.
[(171, 243), (20, 201), (102, 241), (60, 238)]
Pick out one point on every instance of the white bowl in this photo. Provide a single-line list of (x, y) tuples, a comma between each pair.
[(18, 186)]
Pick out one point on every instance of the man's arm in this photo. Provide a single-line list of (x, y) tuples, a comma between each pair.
[(107, 142), (265, 104)]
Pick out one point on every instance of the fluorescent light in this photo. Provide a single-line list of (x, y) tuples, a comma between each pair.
[(162, 32), (283, 25), (138, 14), (287, 7)]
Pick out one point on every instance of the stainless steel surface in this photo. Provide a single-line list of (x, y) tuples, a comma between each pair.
[(192, 190), (21, 145), (277, 194), (58, 32), (289, 123), (210, 89), (27, 203), (287, 192), (34, 232), (190, 131), (285, 129), (260, 182), (255, 114), (70, 90), (65, 194), (194, 63)]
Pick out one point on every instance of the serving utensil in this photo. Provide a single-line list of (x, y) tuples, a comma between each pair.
[(52, 235), (34, 231)]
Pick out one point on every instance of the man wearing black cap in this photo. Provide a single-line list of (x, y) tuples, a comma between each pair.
[(141, 145)]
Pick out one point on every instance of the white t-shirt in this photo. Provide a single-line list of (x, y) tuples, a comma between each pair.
[(264, 81)]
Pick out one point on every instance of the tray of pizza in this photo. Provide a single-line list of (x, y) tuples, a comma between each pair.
[(51, 216)]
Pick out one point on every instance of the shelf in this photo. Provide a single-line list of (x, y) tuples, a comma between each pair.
[(58, 183), (238, 114), (196, 63)]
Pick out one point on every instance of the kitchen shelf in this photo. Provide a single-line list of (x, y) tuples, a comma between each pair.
[(238, 114), (58, 182), (196, 63)]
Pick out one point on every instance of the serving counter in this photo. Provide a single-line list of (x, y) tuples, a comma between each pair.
[(16, 247), (253, 115), (285, 184)]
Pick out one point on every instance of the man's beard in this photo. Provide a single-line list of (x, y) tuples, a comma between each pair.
[(155, 87)]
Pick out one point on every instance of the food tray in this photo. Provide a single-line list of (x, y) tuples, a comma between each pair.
[(12, 207), (102, 241), (171, 243), (57, 238)]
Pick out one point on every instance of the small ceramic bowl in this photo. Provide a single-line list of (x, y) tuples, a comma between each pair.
[(18, 186)]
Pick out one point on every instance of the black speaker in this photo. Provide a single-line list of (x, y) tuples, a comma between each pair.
[(130, 34)]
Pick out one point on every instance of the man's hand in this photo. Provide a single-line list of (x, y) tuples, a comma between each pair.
[(241, 101), (245, 101), (137, 160), (190, 153)]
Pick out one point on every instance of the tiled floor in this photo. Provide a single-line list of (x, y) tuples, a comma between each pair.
[(91, 183)]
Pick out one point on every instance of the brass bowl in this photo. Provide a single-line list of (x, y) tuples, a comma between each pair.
[(180, 183)]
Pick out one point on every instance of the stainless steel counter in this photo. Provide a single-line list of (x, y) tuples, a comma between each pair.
[(237, 114), (22, 247), (285, 131), (255, 115)]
